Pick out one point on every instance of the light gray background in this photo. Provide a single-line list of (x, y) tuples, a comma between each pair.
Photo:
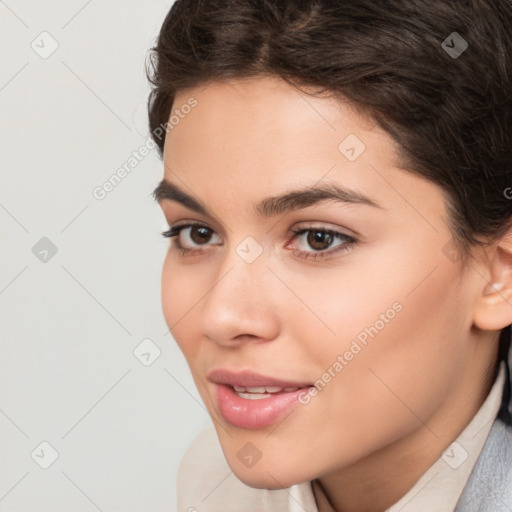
[(70, 324)]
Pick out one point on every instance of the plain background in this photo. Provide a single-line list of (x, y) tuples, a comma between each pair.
[(72, 320)]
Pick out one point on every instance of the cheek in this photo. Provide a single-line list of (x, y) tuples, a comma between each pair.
[(399, 332), (332, 307), (379, 299), (404, 370), (180, 292), (172, 291)]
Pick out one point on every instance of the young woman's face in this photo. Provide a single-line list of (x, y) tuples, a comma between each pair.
[(367, 300)]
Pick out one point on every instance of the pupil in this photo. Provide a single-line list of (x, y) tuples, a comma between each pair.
[(315, 239), (203, 232)]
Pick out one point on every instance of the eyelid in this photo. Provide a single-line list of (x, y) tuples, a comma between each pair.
[(348, 241), (311, 225), (175, 210), (326, 226), (307, 225)]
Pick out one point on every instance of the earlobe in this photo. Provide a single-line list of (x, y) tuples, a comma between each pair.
[(493, 310)]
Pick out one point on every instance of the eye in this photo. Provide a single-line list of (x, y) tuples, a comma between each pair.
[(319, 239), (199, 234)]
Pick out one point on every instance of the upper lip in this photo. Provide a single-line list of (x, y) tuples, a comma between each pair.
[(248, 378)]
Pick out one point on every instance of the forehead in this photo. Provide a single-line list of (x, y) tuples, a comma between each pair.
[(265, 118), (273, 99), (252, 137)]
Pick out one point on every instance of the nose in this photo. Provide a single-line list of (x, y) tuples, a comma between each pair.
[(241, 304)]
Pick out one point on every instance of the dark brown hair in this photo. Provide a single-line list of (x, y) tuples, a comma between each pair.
[(450, 114)]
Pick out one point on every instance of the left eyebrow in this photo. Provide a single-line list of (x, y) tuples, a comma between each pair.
[(275, 205)]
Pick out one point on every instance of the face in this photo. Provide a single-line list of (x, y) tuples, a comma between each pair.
[(352, 299)]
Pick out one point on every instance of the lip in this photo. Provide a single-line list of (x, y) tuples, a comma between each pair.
[(247, 378), (258, 413)]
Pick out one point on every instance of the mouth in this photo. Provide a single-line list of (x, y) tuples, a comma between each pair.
[(257, 393), (249, 380), (252, 401)]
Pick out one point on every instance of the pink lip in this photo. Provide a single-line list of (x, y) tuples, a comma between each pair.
[(253, 414), (247, 378)]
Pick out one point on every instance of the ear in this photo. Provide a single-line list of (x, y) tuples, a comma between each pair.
[(493, 310)]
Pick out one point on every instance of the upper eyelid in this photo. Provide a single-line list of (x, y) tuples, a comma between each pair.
[(308, 226), (324, 255), (304, 224), (296, 231)]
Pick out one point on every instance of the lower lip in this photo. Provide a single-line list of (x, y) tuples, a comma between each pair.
[(258, 413)]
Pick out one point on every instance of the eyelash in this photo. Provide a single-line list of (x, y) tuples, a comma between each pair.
[(342, 248)]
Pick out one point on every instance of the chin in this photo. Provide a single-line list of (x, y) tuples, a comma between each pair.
[(268, 474)]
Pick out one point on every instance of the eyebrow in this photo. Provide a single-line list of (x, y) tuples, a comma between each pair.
[(271, 206)]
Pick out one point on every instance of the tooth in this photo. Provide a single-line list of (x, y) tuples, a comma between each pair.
[(273, 389), (253, 396), (239, 389), (291, 389), (255, 390)]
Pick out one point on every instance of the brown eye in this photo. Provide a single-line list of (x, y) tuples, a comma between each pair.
[(319, 240), (200, 234)]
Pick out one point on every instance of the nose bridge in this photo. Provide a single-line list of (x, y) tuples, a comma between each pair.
[(242, 273), (238, 301)]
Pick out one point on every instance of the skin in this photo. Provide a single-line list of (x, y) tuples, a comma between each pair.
[(387, 416)]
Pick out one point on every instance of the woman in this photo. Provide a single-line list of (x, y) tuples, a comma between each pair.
[(337, 185)]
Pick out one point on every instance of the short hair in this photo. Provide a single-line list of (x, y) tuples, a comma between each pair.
[(435, 75)]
